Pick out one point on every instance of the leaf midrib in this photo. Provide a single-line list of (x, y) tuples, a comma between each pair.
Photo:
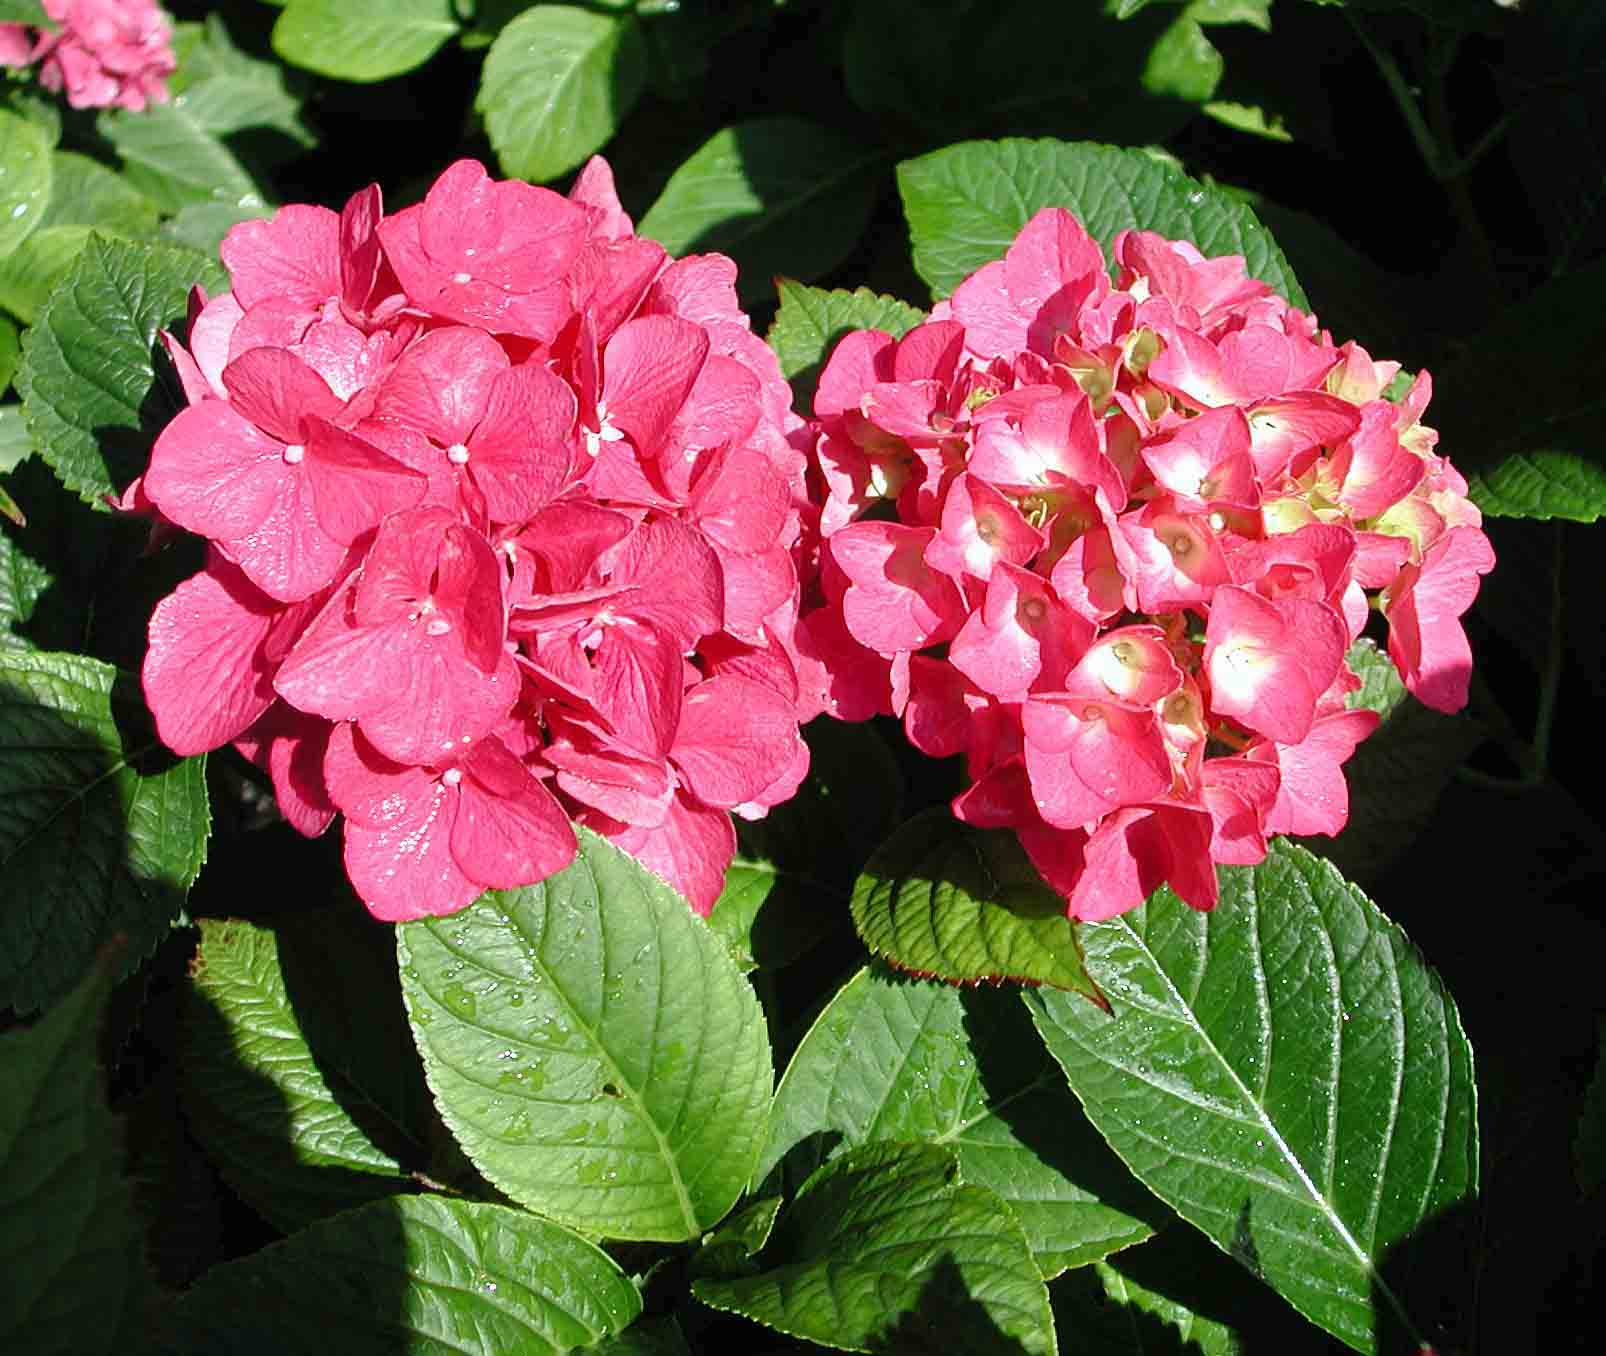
[(1324, 1207)]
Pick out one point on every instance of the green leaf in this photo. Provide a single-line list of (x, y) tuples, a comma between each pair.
[(15, 444), (794, 869), (85, 193), (1286, 1072), (24, 12), (593, 1048), (892, 1059), (10, 354), (97, 840), (964, 904), (810, 322), (170, 157), (1184, 64), (1175, 1293), (730, 1249), (411, 1273), (647, 1337), (72, 1271), (776, 194), (226, 90), (557, 83), (884, 1250), (201, 226), (1396, 776), (89, 382), (280, 1119), (363, 40), (25, 184), (1548, 482), (966, 203), (30, 273)]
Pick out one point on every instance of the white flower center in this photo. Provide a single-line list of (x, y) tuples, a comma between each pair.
[(293, 453)]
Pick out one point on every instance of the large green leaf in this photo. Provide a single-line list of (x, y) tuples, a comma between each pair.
[(964, 904), (292, 1128), (25, 181), (72, 1271), (884, 1250), (363, 40), (409, 1274), (811, 321), (1287, 1073), (593, 1048), (90, 384), (776, 194), (100, 837), (893, 1059), (557, 82), (966, 203), (174, 161)]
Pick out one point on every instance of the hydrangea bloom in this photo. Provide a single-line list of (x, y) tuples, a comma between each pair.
[(1111, 542), (502, 506), (104, 53)]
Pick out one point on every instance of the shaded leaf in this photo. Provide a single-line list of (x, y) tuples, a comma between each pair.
[(593, 1048), (72, 1269), (557, 82), (966, 203), (790, 881), (892, 1059), (1521, 457), (1286, 1072), (413, 1273), (275, 1116), (948, 69), (99, 838), (1589, 1145), (1397, 775), (91, 388), (776, 194), (811, 321), (884, 1250), (963, 904)]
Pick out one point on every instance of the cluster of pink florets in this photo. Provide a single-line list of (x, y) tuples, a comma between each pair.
[(502, 511), (104, 53), (1112, 542)]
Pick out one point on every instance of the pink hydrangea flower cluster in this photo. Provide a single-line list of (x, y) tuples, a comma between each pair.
[(104, 53), (1112, 542), (502, 510)]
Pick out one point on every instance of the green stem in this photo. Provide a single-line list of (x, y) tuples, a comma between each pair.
[(1550, 677), (1426, 144)]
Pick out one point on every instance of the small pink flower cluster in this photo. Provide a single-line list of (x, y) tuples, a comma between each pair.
[(502, 510), (1112, 543), (104, 53)]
